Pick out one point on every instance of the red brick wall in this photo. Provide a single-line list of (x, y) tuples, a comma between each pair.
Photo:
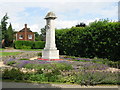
[(27, 33)]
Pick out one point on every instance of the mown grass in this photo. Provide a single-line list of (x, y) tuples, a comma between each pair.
[(31, 49), (1, 49), (9, 53)]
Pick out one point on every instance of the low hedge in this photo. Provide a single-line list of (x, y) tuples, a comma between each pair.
[(29, 44)]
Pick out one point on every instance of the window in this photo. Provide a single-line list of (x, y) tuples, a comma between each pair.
[(29, 36), (20, 36)]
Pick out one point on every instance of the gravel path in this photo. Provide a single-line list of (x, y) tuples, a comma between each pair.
[(15, 50), (35, 85)]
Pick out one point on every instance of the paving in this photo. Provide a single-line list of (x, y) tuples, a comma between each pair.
[(36, 85)]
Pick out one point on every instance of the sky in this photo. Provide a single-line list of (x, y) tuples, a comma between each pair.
[(69, 12)]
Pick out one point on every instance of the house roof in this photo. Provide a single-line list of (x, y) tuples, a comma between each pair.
[(23, 30)]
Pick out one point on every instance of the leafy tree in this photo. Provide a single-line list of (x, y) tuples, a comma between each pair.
[(43, 34), (81, 25), (10, 36), (4, 29), (4, 26), (0, 36), (37, 36)]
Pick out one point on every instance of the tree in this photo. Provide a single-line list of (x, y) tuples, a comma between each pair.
[(10, 34), (4, 26), (0, 36), (37, 36), (4, 29), (81, 25), (43, 34)]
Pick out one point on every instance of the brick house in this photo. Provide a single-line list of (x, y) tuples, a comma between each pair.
[(25, 34)]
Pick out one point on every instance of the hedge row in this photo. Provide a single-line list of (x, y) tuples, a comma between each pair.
[(100, 39), (29, 44)]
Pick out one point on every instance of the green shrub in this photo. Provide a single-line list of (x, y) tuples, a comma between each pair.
[(39, 45), (25, 47), (99, 39), (11, 62), (23, 44), (29, 66), (95, 78), (12, 74), (24, 59), (39, 54), (67, 79), (62, 66), (38, 77), (29, 44)]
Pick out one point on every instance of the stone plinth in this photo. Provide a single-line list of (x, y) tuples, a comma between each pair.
[(50, 51)]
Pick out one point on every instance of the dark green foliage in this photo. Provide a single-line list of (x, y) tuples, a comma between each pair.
[(4, 26), (11, 62), (29, 66), (4, 30), (24, 59), (10, 36), (0, 36), (100, 39), (81, 25), (61, 66), (37, 36), (39, 54), (29, 44), (23, 44), (84, 77), (39, 45), (43, 34), (13, 74), (38, 77), (94, 78)]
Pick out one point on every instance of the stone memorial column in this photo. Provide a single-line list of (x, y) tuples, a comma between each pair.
[(50, 51)]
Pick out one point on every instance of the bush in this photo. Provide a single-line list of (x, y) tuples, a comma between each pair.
[(62, 66), (67, 79), (24, 59), (29, 44), (39, 54), (12, 74), (23, 44), (11, 63), (39, 45), (99, 39), (38, 77), (29, 66), (25, 47), (95, 78)]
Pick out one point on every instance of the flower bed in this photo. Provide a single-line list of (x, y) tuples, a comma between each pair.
[(65, 70)]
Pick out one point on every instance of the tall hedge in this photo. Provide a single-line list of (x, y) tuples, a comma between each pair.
[(39, 45), (99, 39), (29, 44)]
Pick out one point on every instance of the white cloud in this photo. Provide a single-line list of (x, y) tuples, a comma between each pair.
[(69, 24), (35, 28), (93, 7), (59, 0)]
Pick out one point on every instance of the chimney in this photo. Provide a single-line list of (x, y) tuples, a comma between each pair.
[(25, 32), (25, 25)]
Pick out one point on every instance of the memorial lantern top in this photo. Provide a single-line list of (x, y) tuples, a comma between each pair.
[(50, 15)]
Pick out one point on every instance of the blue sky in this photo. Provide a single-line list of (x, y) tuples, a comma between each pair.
[(69, 13)]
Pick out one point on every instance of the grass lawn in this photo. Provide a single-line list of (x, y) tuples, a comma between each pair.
[(9, 53), (31, 49), (1, 49)]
